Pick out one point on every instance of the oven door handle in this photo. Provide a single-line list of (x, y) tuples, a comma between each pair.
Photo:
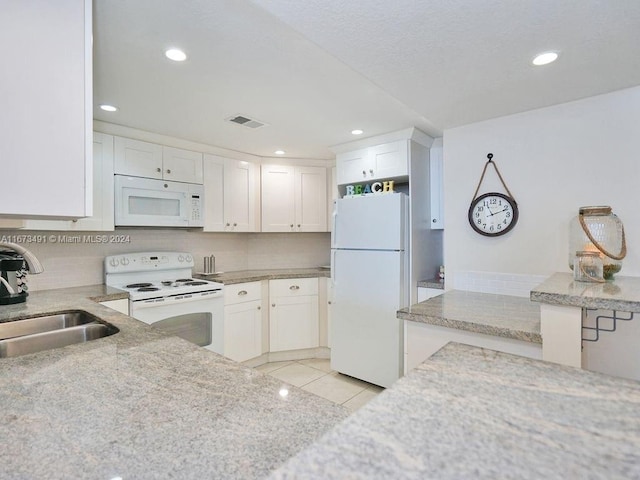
[(175, 299)]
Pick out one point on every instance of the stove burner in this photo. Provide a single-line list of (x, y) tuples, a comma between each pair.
[(166, 283), (148, 289), (194, 283), (138, 285), (182, 280)]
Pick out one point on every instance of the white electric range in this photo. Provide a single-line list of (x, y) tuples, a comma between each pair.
[(163, 293)]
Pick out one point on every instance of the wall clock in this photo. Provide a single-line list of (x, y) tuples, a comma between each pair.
[(493, 214)]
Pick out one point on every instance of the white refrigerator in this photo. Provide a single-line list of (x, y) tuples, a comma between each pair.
[(370, 275)]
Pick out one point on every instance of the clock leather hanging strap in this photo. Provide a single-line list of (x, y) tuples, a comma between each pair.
[(490, 161)]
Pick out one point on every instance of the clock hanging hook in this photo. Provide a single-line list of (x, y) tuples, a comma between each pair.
[(488, 162)]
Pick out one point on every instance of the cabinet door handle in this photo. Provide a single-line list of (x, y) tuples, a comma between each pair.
[(292, 225), (294, 287), (242, 292), (168, 171), (371, 172), (259, 307), (298, 225), (235, 224), (329, 303), (273, 304), (158, 169), (228, 224), (364, 173)]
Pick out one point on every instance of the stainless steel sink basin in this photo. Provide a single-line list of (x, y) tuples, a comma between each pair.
[(52, 331)]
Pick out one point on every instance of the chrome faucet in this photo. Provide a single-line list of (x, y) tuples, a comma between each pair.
[(33, 263)]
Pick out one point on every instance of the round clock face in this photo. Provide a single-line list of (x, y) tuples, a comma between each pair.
[(493, 214)]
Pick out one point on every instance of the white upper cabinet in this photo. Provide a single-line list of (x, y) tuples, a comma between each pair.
[(102, 218), (149, 160), (231, 194), (294, 199), (46, 114), (181, 165), (137, 158), (389, 160)]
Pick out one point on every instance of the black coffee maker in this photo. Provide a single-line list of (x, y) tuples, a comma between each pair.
[(10, 264)]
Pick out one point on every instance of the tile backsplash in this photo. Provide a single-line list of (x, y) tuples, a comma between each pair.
[(518, 285), (74, 260)]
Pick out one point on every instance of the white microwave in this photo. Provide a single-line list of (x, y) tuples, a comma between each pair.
[(147, 202)]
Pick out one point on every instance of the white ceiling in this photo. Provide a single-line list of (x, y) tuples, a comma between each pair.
[(313, 70)]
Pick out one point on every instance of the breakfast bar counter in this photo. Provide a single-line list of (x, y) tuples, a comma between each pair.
[(469, 412)]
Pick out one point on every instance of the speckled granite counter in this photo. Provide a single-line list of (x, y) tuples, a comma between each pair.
[(622, 293), (433, 283), (474, 413), (141, 404), (500, 315), (229, 278)]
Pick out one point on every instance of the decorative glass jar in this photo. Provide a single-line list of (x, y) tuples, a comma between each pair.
[(597, 229)]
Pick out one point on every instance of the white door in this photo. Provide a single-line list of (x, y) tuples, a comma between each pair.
[(103, 209), (366, 336), (390, 160), (278, 199), (370, 222), (240, 195), (213, 169), (181, 165), (293, 323), (311, 199), (353, 166), (137, 158), (243, 331)]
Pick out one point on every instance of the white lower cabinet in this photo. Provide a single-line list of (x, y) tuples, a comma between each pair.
[(293, 314), (242, 321)]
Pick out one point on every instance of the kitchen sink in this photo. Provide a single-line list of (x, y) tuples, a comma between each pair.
[(52, 331)]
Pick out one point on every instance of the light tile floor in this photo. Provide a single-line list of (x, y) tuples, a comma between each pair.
[(315, 376)]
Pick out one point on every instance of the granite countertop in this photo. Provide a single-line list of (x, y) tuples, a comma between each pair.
[(468, 412), (501, 315), (142, 404), (622, 293), (436, 283), (242, 276)]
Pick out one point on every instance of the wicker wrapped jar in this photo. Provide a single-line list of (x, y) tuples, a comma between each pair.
[(597, 229)]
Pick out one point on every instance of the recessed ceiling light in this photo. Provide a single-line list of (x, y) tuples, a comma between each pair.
[(357, 132), (545, 58), (108, 108), (176, 55), (279, 152)]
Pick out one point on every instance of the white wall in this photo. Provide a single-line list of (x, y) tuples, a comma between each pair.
[(77, 264), (554, 160)]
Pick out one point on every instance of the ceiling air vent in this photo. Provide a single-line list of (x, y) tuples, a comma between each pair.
[(246, 121)]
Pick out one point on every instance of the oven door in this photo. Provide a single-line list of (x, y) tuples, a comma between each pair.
[(197, 317)]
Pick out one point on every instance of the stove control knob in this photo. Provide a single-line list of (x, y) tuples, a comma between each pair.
[(124, 261), (180, 258), (114, 262), (188, 258)]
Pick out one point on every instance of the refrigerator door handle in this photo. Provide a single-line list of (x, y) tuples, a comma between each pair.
[(333, 267), (334, 216)]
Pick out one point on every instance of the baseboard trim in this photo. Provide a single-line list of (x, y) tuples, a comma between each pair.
[(289, 355)]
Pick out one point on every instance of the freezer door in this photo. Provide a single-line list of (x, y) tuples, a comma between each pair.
[(366, 336), (370, 222)]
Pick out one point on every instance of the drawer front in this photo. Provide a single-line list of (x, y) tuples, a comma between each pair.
[(241, 292), (293, 287)]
